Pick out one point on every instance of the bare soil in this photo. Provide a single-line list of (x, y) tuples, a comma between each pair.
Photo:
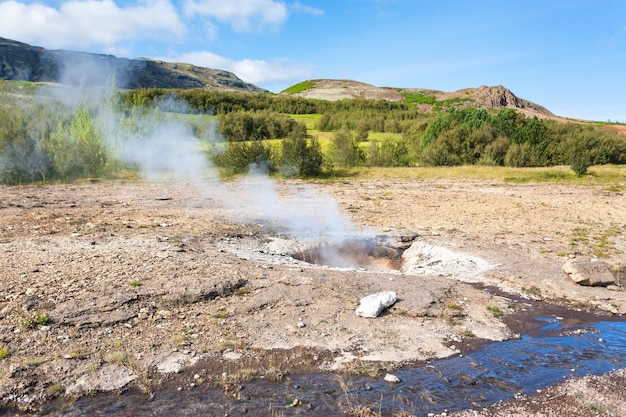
[(136, 279)]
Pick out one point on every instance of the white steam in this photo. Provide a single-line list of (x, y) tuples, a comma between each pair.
[(302, 210), (164, 148)]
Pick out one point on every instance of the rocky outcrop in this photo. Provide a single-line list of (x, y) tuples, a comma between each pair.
[(20, 61), (499, 97)]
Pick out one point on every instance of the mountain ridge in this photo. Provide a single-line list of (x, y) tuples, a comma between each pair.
[(21, 61), (24, 62)]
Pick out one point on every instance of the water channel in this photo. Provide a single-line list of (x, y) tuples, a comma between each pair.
[(558, 349)]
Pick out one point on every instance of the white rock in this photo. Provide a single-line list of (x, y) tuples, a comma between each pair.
[(392, 378), (173, 363), (108, 378), (373, 304), (233, 356)]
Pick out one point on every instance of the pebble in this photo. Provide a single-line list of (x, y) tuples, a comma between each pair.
[(301, 324), (392, 378)]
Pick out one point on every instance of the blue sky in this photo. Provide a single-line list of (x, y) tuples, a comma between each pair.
[(567, 55)]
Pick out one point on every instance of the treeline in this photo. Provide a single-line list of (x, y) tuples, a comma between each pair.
[(456, 137), (50, 141), (220, 102), (243, 126), (474, 136)]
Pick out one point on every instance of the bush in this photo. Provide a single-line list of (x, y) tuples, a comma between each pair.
[(344, 150), (520, 155), (301, 157), (239, 156), (245, 126), (580, 163), (77, 148), (389, 153), (495, 152)]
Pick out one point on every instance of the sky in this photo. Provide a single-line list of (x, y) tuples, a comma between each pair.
[(566, 55)]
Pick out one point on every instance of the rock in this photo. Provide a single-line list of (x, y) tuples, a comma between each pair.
[(372, 305), (392, 378), (173, 363), (233, 356), (108, 378), (593, 273)]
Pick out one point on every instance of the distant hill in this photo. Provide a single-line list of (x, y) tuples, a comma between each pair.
[(20, 61), (484, 97)]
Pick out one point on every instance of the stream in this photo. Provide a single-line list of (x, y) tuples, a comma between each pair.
[(560, 348)]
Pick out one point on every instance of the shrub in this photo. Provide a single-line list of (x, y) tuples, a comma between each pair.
[(388, 153), (77, 148), (344, 150), (520, 155), (438, 154), (301, 157), (580, 163), (495, 152), (239, 156)]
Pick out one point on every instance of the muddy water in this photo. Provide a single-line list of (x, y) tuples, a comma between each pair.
[(497, 371)]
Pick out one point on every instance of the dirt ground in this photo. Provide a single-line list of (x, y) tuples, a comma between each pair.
[(110, 283)]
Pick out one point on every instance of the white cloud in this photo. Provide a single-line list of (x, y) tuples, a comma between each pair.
[(85, 23), (242, 15), (298, 7), (254, 71)]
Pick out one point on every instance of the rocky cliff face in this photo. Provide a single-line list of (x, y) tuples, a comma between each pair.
[(20, 61), (500, 97)]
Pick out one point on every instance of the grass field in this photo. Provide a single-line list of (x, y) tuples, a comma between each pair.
[(614, 176)]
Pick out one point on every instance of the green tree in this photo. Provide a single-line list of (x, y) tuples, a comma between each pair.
[(77, 148), (344, 150), (388, 153), (301, 157)]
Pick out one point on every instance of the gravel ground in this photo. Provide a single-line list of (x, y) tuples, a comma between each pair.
[(141, 279)]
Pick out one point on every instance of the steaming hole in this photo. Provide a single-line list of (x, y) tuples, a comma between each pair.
[(381, 253)]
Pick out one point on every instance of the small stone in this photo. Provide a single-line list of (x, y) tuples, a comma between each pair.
[(392, 378), (301, 324)]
